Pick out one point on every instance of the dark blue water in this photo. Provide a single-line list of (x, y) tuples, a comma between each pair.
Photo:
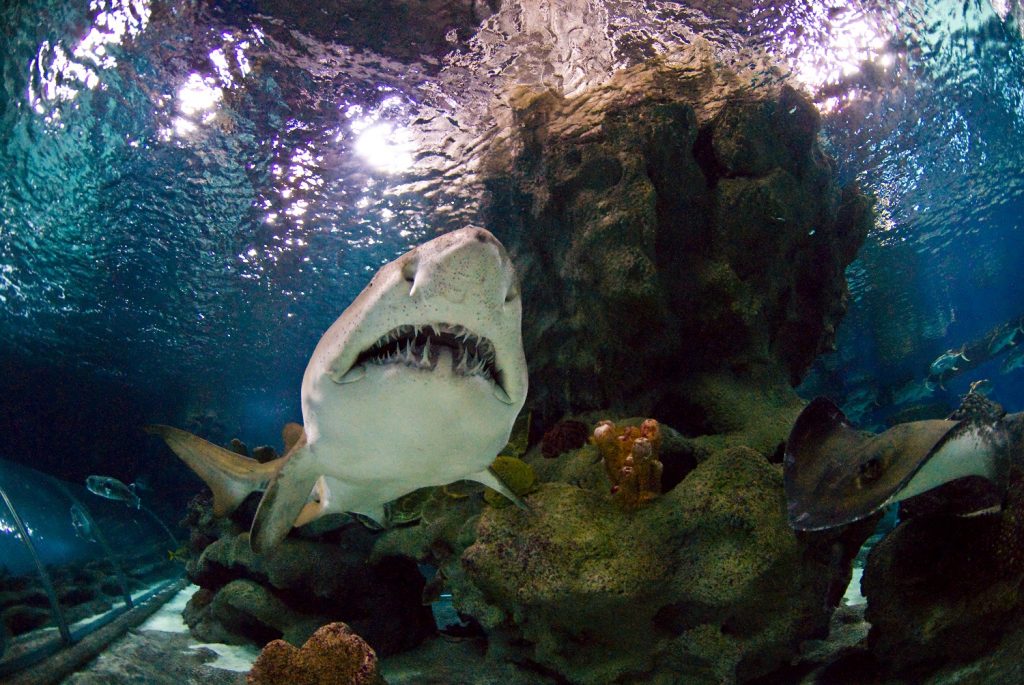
[(191, 193)]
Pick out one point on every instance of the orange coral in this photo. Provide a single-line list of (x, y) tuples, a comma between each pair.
[(631, 460), (333, 655)]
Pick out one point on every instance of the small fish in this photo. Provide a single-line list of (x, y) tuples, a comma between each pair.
[(981, 387), (947, 362), (1013, 361), (1005, 340), (180, 554), (913, 391), (112, 488), (82, 524)]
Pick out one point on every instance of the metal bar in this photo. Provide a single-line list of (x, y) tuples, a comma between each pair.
[(44, 576)]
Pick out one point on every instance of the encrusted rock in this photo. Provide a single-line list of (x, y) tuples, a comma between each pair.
[(670, 226), (708, 582), (943, 588)]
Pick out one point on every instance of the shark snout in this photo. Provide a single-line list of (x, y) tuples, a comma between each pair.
[(472, 262)]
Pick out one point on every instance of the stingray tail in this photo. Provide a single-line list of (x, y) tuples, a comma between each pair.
[(230, 476)]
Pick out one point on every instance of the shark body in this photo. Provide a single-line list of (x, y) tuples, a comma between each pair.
[(417, 383)]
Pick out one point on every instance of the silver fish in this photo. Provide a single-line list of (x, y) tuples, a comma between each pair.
[(112, 488)]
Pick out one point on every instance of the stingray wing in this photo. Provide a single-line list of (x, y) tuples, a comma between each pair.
[(835, 474)]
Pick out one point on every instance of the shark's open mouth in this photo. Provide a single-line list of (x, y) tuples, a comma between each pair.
[(419, 346)]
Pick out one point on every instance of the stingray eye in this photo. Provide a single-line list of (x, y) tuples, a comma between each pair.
[(871, 470)]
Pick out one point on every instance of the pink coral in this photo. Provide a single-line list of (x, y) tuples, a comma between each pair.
[(333, 655)]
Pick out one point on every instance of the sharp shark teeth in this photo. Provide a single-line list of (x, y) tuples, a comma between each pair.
[(419, 346)]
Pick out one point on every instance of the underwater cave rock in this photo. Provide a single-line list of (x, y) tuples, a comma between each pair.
[(944, 588), (671, 225), (707, 583), (300, 585)]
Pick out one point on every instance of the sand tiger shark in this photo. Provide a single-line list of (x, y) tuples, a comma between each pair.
[(835, 474), (417, 383)]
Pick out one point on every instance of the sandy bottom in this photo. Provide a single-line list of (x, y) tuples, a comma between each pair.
[(163, 652)]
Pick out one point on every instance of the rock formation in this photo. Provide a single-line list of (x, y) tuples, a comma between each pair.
[(681, 241)]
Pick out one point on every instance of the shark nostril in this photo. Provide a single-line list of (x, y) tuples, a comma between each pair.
[(409, 268)]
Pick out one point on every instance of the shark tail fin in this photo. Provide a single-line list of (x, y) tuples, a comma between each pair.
[(283, 504), (230, 476)]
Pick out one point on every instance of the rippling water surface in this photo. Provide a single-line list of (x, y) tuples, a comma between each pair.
[(191, 192)]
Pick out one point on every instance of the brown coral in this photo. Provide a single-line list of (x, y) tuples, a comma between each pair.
[(334, 655), (631, 461), (562, 437)]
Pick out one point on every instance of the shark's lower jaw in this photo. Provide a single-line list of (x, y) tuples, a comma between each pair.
[(420, 347)]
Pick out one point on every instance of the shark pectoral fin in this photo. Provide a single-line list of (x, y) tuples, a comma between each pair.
[(230, 476), (283, 502), (489, 478), (317, 506)]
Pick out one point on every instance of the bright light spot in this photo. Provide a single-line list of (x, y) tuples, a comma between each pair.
[(198, 95), (846, 47), (385, 147), (57, 76), (183, 126)]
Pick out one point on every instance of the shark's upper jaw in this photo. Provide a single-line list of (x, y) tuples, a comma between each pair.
[(420, 347)]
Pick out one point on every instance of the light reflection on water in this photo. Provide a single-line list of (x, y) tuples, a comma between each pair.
[(181, 173)]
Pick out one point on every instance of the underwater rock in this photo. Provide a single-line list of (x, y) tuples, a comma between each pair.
[(516, 474), (562, 437), (944, 588), (672, 227), (333, 655), (707, 582), (305, 583)]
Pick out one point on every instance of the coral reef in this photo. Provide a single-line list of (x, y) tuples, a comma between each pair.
[(562, 437), (630, 457), (333, 655), (675, 230)]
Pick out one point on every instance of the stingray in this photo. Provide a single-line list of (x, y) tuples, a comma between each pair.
[(418, 383), (835, 474)]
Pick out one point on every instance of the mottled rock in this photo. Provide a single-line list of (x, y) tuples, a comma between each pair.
[(938, 592), (672, 226), (707, 582), (302, 584), (333, 655)]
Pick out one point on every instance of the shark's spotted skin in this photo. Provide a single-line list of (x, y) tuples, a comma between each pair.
[(417, 384)]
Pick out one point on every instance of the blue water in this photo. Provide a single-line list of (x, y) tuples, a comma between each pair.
[(191, 193)]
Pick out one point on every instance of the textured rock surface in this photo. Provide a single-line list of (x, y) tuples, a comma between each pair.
[(300, 585), (333, 655), (938, 592), (672, 228), (707, 582)]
